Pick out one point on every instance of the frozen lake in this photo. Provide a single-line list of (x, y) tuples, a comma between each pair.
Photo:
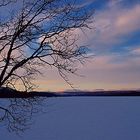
[(85, 118)]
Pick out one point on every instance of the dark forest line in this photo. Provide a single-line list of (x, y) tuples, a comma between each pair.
[(10, 93)]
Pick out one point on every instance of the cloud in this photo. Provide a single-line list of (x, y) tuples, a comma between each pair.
[(113, 24), (105, 73), (101, 72), (128, 21), (136, 51), (113, 2)]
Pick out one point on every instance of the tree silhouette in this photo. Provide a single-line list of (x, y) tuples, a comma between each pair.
[(35, 34), (39, 34)]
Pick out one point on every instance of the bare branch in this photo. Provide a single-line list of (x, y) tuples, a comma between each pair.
[(40, 33)]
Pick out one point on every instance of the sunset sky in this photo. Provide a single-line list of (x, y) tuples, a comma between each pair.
[(115, 45)]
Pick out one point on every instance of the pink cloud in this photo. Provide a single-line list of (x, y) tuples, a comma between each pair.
[(136, 51), (103, 73), (113, 22), (128, 21)]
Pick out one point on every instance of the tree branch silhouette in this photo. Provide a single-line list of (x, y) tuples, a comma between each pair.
[(35, 34), (40, 34)]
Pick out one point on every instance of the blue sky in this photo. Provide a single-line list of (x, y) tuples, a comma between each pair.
[(115, 44)]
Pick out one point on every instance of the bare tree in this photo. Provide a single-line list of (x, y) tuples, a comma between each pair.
[(35, 34), (39, 34)]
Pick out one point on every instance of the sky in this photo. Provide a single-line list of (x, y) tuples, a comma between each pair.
[(115, 48)]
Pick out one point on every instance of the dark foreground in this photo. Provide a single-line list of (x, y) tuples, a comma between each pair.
[(10, 93)]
